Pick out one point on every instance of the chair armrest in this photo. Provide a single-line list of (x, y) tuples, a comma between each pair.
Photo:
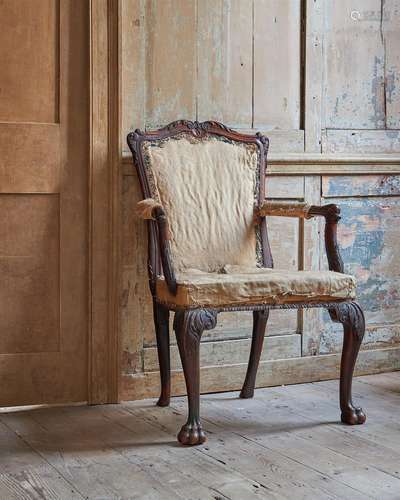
[(151, 209), (279, 209), (331, 213)]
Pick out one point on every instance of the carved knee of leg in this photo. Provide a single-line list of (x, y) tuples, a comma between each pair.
[(189, 326)]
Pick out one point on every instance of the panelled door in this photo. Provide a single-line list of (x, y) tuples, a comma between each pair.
[(44, 134)]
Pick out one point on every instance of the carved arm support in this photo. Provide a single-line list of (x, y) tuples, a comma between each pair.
[(331, 213), (151, 209)]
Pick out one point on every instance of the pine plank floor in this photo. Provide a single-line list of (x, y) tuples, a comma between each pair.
[(286, 443)]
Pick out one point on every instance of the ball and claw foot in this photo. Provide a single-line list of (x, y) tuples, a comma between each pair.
[(192, 434), (353, 416)]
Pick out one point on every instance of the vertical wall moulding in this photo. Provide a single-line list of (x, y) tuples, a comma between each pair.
[(104, 187)]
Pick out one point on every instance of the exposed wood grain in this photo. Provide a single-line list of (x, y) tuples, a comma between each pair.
[(378, 432), (37, 172), (313, 71), (37, 484), (224, 59), (285, 441), (29, 265), (104, 209), (291, 141), (277, 28), (354, 65), (302, 438), (95, 465), (291, 422), (277, 473), (236, 351), (236, 325), (195, 476), (133, 51), (45, 377), (310, 319), (170, 61), (353, 185), (77, 448), (16, 455), (29, 52), (391, 34), (44, 241), (271, 373), (367, 142), (285, 188), (283, 234), (136, 319)]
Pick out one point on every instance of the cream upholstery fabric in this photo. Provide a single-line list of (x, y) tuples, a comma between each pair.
[(207, 188), (238, 285)]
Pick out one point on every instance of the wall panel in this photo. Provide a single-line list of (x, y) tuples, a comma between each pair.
[(29, 266), (170, 54), (361, 83), (225, 65), (29, 86), (277, 85), (354, 65)]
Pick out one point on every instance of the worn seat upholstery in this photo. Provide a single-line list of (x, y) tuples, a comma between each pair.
[(238, 285), (203, 191)]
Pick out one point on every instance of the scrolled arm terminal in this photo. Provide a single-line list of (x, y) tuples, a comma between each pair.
[(150, 209)]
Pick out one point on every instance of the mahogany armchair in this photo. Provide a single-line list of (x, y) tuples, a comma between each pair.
[(204, 198)]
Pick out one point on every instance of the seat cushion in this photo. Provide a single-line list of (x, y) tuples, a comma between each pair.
[(238, 286)]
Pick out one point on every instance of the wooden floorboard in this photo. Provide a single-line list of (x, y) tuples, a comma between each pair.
[(285, 443)]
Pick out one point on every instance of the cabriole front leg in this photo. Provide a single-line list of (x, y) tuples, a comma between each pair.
[(189, 326), (351, 316)]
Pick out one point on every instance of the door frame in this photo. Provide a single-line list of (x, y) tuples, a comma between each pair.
[(104, 199)]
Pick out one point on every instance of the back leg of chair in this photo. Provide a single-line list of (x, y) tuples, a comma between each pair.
[(351, 316), (161, 323), (260, 319)]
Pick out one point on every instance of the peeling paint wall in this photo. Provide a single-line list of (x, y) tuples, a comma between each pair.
[(361, 80), (369, 237)]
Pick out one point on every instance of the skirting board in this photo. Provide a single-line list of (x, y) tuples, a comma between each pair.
[(270, 373)]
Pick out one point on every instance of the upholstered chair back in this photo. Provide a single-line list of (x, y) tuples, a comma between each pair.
[(208, 186)]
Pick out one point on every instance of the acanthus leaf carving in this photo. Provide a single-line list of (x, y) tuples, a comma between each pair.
[(351, 316)]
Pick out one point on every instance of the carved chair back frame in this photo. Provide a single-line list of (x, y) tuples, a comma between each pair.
[(197, 129)]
